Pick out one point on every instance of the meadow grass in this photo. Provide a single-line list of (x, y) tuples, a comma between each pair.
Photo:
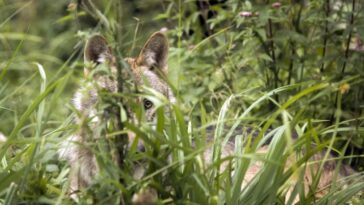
[(237, 97)]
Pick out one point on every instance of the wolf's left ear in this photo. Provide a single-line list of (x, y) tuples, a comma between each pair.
[(97, 50), (155, 52)]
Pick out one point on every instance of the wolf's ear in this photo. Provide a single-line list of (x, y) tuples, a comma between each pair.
[(155, 52), (97, 50)]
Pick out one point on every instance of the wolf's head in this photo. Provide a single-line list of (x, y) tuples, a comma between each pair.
[(148, 68)]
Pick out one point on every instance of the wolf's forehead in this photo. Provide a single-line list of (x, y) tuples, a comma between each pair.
[(152, 80)]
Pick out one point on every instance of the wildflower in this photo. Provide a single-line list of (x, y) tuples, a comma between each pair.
[(276, 5), (246, 14), (2, 138), (163, 30), (344, 88), (356, 44), (72, 7)]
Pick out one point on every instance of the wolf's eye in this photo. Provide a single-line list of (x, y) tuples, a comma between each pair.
[(147, 104)]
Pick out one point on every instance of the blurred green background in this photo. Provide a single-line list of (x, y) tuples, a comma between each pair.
[(218, 49)]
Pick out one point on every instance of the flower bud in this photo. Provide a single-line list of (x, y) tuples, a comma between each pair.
[(246, 14)]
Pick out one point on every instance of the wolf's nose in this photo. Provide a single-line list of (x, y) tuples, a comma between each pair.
[(140, 147)]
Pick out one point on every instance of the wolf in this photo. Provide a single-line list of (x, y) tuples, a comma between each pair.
[(148, 67)]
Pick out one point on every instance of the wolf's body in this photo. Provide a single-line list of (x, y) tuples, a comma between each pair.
[(75, 150), (148, 66)]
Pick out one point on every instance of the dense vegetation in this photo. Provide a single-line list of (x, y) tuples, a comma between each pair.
[(279, 68)]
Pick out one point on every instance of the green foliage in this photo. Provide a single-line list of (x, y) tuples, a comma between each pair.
[(293, 68)]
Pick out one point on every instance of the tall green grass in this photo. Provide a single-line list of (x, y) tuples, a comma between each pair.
[(225, 80)]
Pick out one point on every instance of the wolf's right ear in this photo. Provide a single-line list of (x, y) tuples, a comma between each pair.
[(155, 52), (97, 50)]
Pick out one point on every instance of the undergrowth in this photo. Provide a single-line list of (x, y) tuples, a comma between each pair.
[(245, 73)]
